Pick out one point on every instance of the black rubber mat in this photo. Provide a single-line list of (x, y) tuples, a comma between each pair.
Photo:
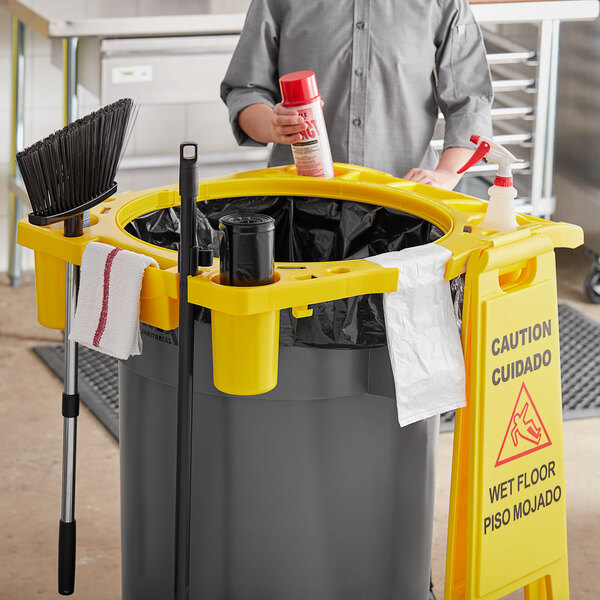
[(580, 370), (580, 363)]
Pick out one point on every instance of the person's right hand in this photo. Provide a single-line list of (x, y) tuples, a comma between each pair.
[(286, 125)]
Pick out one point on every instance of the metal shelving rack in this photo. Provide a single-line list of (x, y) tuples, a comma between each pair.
[(523, 60)]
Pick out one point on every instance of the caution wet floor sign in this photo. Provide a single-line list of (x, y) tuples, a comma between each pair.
[(508, 518), (522, 506)]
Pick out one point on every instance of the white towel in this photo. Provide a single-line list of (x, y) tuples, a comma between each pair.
[(422, 334), (108, 304)]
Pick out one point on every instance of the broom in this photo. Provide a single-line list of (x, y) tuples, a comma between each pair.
[(65, 175)]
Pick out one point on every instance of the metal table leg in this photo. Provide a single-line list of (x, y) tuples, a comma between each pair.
[(547, 185), (17, 141), (70, 78), (545, 111)]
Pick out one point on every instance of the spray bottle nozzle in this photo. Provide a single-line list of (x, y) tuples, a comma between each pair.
[(495, 153), (480, 152)]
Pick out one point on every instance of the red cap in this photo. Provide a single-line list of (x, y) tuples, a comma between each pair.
[(503, 181), (298, 88)]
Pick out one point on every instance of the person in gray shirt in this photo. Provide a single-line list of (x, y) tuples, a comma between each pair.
[(384, 69)]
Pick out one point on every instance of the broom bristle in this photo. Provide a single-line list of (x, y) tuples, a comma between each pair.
[(78, 163)]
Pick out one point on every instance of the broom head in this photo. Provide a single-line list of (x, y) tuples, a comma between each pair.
[(74, 169)]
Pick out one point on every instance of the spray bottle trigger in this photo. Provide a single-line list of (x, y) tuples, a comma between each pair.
[(481, 151)]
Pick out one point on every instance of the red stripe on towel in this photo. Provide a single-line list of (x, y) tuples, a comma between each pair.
[(105, 295)]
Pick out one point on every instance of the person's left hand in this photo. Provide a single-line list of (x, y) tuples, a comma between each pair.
[(438, 178)]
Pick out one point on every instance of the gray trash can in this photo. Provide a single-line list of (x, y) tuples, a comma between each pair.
[(309, 492)]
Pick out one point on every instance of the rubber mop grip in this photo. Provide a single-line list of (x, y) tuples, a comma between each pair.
[(66, 558), (70, 405)]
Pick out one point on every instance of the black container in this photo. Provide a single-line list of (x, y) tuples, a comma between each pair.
[(247, 242)]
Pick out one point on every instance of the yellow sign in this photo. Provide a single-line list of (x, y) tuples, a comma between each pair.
[(508, 519)]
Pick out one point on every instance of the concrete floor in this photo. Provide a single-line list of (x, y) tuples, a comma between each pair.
[(30, 469)]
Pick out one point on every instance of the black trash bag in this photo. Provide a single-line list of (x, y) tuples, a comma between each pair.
[(161, 228), (309, 230)]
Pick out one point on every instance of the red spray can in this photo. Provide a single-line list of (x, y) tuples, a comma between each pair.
[(312, 154)]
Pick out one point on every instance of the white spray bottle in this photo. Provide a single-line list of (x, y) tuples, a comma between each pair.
[(500, 215)]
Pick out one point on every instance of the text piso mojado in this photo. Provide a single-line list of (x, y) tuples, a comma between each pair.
[(522, 508)]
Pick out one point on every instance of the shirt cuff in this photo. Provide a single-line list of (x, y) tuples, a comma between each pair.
[(461, 126), (239, 99)]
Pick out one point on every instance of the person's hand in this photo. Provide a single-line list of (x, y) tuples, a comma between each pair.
[(440, 178), (445, 175), (286, 125)]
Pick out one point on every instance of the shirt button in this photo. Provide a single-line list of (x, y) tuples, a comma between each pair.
[(360, 24), (357, 122), (359, 72)]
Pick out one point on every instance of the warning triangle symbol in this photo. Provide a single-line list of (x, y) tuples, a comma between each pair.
[(526, 432)]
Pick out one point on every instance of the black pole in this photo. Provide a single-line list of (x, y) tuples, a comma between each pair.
[(188, 265)]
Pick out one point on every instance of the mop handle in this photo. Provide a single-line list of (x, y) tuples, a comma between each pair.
[(70, 410), (188, 265)]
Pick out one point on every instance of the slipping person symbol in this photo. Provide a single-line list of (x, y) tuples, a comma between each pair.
[(526, 429)]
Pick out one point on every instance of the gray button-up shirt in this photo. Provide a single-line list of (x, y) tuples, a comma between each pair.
[(383, 68)]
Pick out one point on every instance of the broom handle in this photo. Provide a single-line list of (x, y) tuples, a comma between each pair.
[(70, 410)]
